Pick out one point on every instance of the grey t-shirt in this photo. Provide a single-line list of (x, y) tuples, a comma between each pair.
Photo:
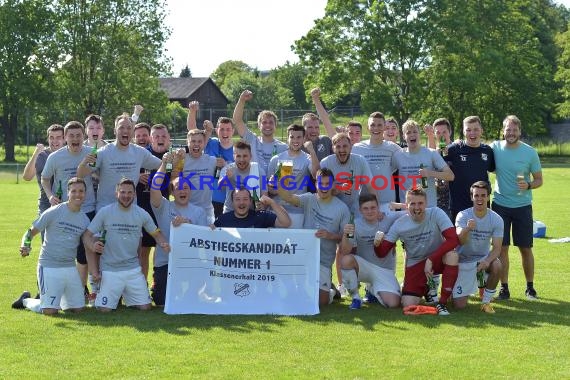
[(421, 239), (331, 216), (262, 152), (358, 166), (408, 164), (164, 214), (254, 181), (123, 234), (200, 173), (61, 166), (114, 164), (364, 234), (479, 243), (301, 172), (63, 230), (322, 146), (379, 158)]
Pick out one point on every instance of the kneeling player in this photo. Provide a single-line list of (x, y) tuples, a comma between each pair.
[(360, 263), (478, 229)]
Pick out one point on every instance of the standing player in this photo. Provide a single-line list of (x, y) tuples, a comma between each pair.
[(58, 277), (177, 212), (478, 228), (518, 172), (265, 146), (118, 269), (430, 240), (328, 215), (359, 262)]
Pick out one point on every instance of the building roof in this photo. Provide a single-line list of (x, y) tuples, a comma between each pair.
[(183, 88)]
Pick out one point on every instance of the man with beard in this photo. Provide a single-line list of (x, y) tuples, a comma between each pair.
[(36, 164), (328, 215), (430, 240), (118, 160), (177, 212), (234, 175), (59, 168), (159, 144), (118, 269), (242, 214), (518, 171), (304, 168), (322, 144), (262, 147)]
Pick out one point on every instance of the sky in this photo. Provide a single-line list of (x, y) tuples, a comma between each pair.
[(260, 33)]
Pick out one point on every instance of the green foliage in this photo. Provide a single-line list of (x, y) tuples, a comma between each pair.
[(185, 73), (291, 76), (227, 68), (268, 93)]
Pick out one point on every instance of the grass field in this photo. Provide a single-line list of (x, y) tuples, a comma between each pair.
[(523, 339)]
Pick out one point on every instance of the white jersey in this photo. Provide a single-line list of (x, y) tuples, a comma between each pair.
[(479, 243), (199, 172), (242, 176)]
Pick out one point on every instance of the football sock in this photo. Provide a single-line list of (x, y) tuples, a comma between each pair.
[(504, 285), (530, 285), (350, 282), (448, 279), (32, 304), (488, 295)]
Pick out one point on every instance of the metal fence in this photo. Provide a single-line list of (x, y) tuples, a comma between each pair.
[(12, 173)]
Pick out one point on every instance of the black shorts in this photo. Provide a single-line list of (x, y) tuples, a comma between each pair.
[(520, 219), (158, 290), (81, 257)]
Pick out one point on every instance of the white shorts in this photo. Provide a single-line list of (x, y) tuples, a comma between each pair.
[(130, 284), (60, 288), (380, 279), (325, 278), (296, 220), (466, 283)]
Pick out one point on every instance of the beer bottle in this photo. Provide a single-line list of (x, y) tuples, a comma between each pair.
[(277, 174), (274, 153), (59, 191), (424, 179), (103, 239), (28, 239), (431, 284), (218, 168), (94, 151), (351, 221), (255, 199), (442, 147), (169, 162), (480, 279)]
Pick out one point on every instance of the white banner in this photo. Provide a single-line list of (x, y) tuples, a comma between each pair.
[(242, 271)]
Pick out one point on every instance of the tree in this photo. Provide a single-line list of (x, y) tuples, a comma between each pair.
[(186, 73), (268, 94), (291, 76), (375, 48), (227, 68), (26, 61), (114, 53)]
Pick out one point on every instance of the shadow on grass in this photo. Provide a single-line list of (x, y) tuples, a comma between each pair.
[(516, 314)]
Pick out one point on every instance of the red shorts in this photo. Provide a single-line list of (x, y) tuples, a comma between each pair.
[(415, 281)]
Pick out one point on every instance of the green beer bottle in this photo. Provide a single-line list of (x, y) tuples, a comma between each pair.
[(274, 153), (431, 284), (28, 239), (103, 239), (442, 147), (277, 174), (255, 199), (94, 151), (424, 179), (59, 191), (480, 279)]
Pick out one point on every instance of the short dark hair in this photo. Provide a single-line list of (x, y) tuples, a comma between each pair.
[(142, 125), (363, 198), (126, 181), (480, 185), (73, 180), (295, 127), (416, 190), (55, 128), (242, 144), (93, 117), (241, 188), (73, 125)]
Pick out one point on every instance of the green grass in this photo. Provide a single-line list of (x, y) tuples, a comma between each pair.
[(522, 340)]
